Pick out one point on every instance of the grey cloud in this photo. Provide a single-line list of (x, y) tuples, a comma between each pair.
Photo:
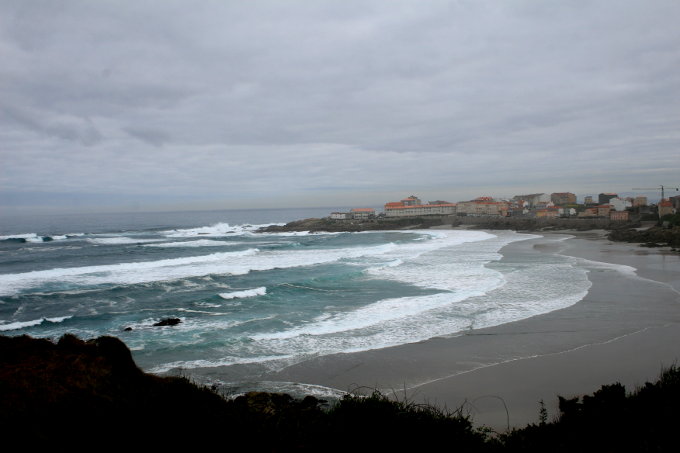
[(65, 127), (239, 97), (154, 137)]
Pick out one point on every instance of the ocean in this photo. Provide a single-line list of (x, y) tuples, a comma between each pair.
[(261, 302)]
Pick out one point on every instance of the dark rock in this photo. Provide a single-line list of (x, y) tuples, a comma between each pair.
[(127, 329), (167, 322), (379, 223), (15, 240)]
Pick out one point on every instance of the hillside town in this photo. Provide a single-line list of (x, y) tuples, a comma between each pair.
[(537, 205)]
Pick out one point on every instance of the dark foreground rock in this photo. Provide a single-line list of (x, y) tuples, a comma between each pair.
[(89, 395), (76, 395), (74, 392)]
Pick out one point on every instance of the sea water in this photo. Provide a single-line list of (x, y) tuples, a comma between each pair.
[(271, 299)]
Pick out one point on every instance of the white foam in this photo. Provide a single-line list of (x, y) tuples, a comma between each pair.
[(225, 263), (34, 322), (20, 325), (33, 237), (473, 290), (58, 319), (218, 229), (225, 361), (443, 264), (121, 240), (261, 291), (300, 233), (129, 273), (628, 271), (367, 316), (208, 305), (196, 243)]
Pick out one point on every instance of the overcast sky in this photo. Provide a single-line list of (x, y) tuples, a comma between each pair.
[(228, 104)]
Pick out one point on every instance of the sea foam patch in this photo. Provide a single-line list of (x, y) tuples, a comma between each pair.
[(216, 230), (120, 240), (261, 291), (17, 325), (195, 243)]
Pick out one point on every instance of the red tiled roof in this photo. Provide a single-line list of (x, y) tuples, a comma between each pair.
[(399, 206)]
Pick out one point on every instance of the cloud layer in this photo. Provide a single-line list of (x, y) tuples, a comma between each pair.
[(261, 103)]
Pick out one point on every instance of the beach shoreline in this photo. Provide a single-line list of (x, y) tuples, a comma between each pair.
[(624, 330)]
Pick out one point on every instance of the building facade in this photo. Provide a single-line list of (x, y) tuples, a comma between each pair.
[(666, 207), (362, 213), (619, 215), (620, 204), (533, 199), (562, 198), (483, 207), (640, 201), (604, 198), (408, 207)]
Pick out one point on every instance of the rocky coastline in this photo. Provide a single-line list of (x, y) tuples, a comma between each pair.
[(651, 236)]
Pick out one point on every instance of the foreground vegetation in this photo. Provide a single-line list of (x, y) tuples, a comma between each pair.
[(87, 394)]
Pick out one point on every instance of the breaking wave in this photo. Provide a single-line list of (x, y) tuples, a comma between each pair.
[(261, 291), (34, 322)]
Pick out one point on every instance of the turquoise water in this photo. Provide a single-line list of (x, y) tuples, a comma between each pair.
[(268, 299)]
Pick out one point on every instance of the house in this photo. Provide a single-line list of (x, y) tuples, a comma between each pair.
[(589, 212), (483, 207), (604, 198), (666, 207), (340, 215), (547, 213), (533, 199), (676, 202), (412, 206), (603, 210), (362, 213), (619, 215), (640, 201), (620, 204), (562, 198)]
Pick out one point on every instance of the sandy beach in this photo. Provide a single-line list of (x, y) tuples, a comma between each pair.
[(625, 330)]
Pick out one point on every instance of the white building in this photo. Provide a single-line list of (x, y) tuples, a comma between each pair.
[(362, 213), (620, 204)]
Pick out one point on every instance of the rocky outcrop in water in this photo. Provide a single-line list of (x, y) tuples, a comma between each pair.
[(167, 322)]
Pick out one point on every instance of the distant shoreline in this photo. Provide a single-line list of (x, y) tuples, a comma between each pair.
[(489, 223), (646, 233)]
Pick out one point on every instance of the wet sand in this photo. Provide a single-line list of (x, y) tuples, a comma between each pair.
[(625, 330)]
